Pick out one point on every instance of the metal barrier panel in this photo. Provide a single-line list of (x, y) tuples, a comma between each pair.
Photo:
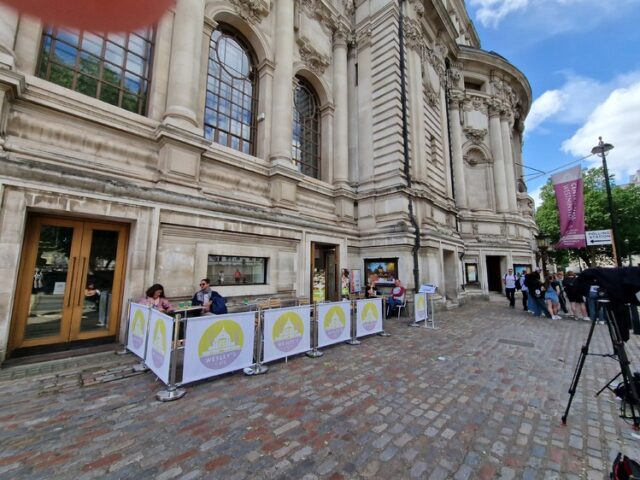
[(138, 329), (218, 344), (368, 316), (287, 331), (334, 322), (421, 311)]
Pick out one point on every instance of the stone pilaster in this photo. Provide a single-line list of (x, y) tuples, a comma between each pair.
[(499, 177), (8, 28), (184, 68), (341, 115), (456, 151), (509, 169), (282, 99), (416, 108)]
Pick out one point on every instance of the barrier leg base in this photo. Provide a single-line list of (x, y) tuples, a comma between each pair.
[(124, 351), (140, 367), (315, 353), (384, 334), (415, 324), (170, 394), (257, 369), (353, 341)]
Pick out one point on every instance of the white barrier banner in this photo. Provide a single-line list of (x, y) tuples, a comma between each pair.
[(334, 323), (421, 312), (138, 327), (218, 344), (369, 316), (286, 332), (158, 357)]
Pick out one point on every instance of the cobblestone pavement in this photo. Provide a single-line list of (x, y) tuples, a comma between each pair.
[(481, 397)]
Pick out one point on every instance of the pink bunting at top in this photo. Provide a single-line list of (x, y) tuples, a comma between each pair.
[(570, 198), (95, 15)]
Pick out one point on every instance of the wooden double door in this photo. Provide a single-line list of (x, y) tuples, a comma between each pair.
[(70, 283)]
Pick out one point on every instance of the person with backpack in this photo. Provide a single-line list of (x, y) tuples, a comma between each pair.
[(211, 301)]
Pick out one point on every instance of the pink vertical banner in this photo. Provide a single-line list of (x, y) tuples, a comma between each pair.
[(570, 198)]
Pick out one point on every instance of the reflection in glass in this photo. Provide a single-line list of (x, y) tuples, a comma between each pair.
[(227, 270), (98, 282), (49, 282)]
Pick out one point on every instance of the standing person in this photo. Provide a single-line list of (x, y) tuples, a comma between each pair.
[(396, 298), (345, 283), (237, 276), (154, 297), (524, 290), (509, 282), (559, 277), (536, 294), (578, 308)]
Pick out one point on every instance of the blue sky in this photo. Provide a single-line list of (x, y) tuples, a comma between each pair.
[(582, 58)]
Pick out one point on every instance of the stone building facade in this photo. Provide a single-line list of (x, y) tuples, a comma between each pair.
[(266, 144)]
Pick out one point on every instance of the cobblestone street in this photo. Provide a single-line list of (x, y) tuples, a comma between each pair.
[(480, 397)]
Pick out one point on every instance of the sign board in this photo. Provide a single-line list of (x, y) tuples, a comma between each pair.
[(287, 331), (369, 316), (355, 281), (158, 355), (421, 311), (138, 326), (428, 288), (598, 237), (334, 323)]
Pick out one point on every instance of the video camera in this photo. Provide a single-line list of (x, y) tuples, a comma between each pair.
[(621, 286)]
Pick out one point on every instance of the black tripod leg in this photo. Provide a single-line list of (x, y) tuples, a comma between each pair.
[(578, 371), (608, 385)]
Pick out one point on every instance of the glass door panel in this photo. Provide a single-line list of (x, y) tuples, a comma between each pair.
[(51, 280), (98, 281)]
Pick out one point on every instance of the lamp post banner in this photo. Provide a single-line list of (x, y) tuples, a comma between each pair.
[(570, 198)]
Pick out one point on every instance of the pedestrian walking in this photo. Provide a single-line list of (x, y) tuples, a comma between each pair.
[(524, 290), (509, 282)]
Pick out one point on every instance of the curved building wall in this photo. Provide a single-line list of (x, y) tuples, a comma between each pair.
[(187, 196)]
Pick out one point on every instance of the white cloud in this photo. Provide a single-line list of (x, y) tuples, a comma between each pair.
[(575, 100), (616, 119), (535, 194), (491, 12)]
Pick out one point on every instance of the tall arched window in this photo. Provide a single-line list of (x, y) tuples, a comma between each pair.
[(305, 147), (113, 67), (229, 115)]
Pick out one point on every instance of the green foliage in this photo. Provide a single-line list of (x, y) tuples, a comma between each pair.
[(626, 202)]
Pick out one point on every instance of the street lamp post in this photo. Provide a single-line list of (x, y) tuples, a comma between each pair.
[(601, 149), (626, 247), (544, 243)]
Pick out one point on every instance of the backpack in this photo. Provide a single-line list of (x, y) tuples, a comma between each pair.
[(624, 468), (218, 304)]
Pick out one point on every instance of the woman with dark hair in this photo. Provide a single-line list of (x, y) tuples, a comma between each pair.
[(154, 297), (551, 297), (577, 302)]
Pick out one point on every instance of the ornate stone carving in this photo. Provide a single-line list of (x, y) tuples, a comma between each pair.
[(476, 135), (413, 34), (316, 61), (318, 10), (349, 7), (252, 10), (432, 97), (418, 7)]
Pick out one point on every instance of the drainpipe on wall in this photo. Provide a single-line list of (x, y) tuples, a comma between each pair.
[(405, 148)]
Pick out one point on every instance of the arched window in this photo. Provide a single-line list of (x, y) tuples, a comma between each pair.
[(229, 114), (305, 148), (113, 67)]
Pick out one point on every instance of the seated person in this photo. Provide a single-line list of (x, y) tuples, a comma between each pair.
[(154, 297), (211, 301), (396, 298), (92, 295)]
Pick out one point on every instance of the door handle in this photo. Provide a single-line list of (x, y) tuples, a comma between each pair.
[(73, 271), (83, 269)]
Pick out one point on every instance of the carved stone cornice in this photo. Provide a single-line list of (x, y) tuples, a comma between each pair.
[(363, 37), (476, 135), (413, 34), (315, 60), (418, 7), (252, 10), (475, 102), (432, 97), (319, 11)]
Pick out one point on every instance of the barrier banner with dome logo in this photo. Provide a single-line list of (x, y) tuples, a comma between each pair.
[(286, 332), (158, 357), (421, 312), (138, 325), (218, 344), (334, 323), (369, 316)]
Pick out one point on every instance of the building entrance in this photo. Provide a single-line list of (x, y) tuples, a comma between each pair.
[(70, 283), (325, 284), (494, 274)]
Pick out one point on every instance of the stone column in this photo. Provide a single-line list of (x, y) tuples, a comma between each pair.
[(509, 170), (499, 177), (282, 97), (416, 101), (365, 111), (456, 151), (8, 27), (184, 68), (341, 116)]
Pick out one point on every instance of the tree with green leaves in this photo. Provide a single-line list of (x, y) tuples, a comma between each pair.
[(626, 202)]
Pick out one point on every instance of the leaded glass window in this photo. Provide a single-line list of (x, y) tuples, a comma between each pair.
[(305, 148), (229, 114), (113, 67)]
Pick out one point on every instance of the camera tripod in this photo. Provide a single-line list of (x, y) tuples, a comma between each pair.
[(619, 354)]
